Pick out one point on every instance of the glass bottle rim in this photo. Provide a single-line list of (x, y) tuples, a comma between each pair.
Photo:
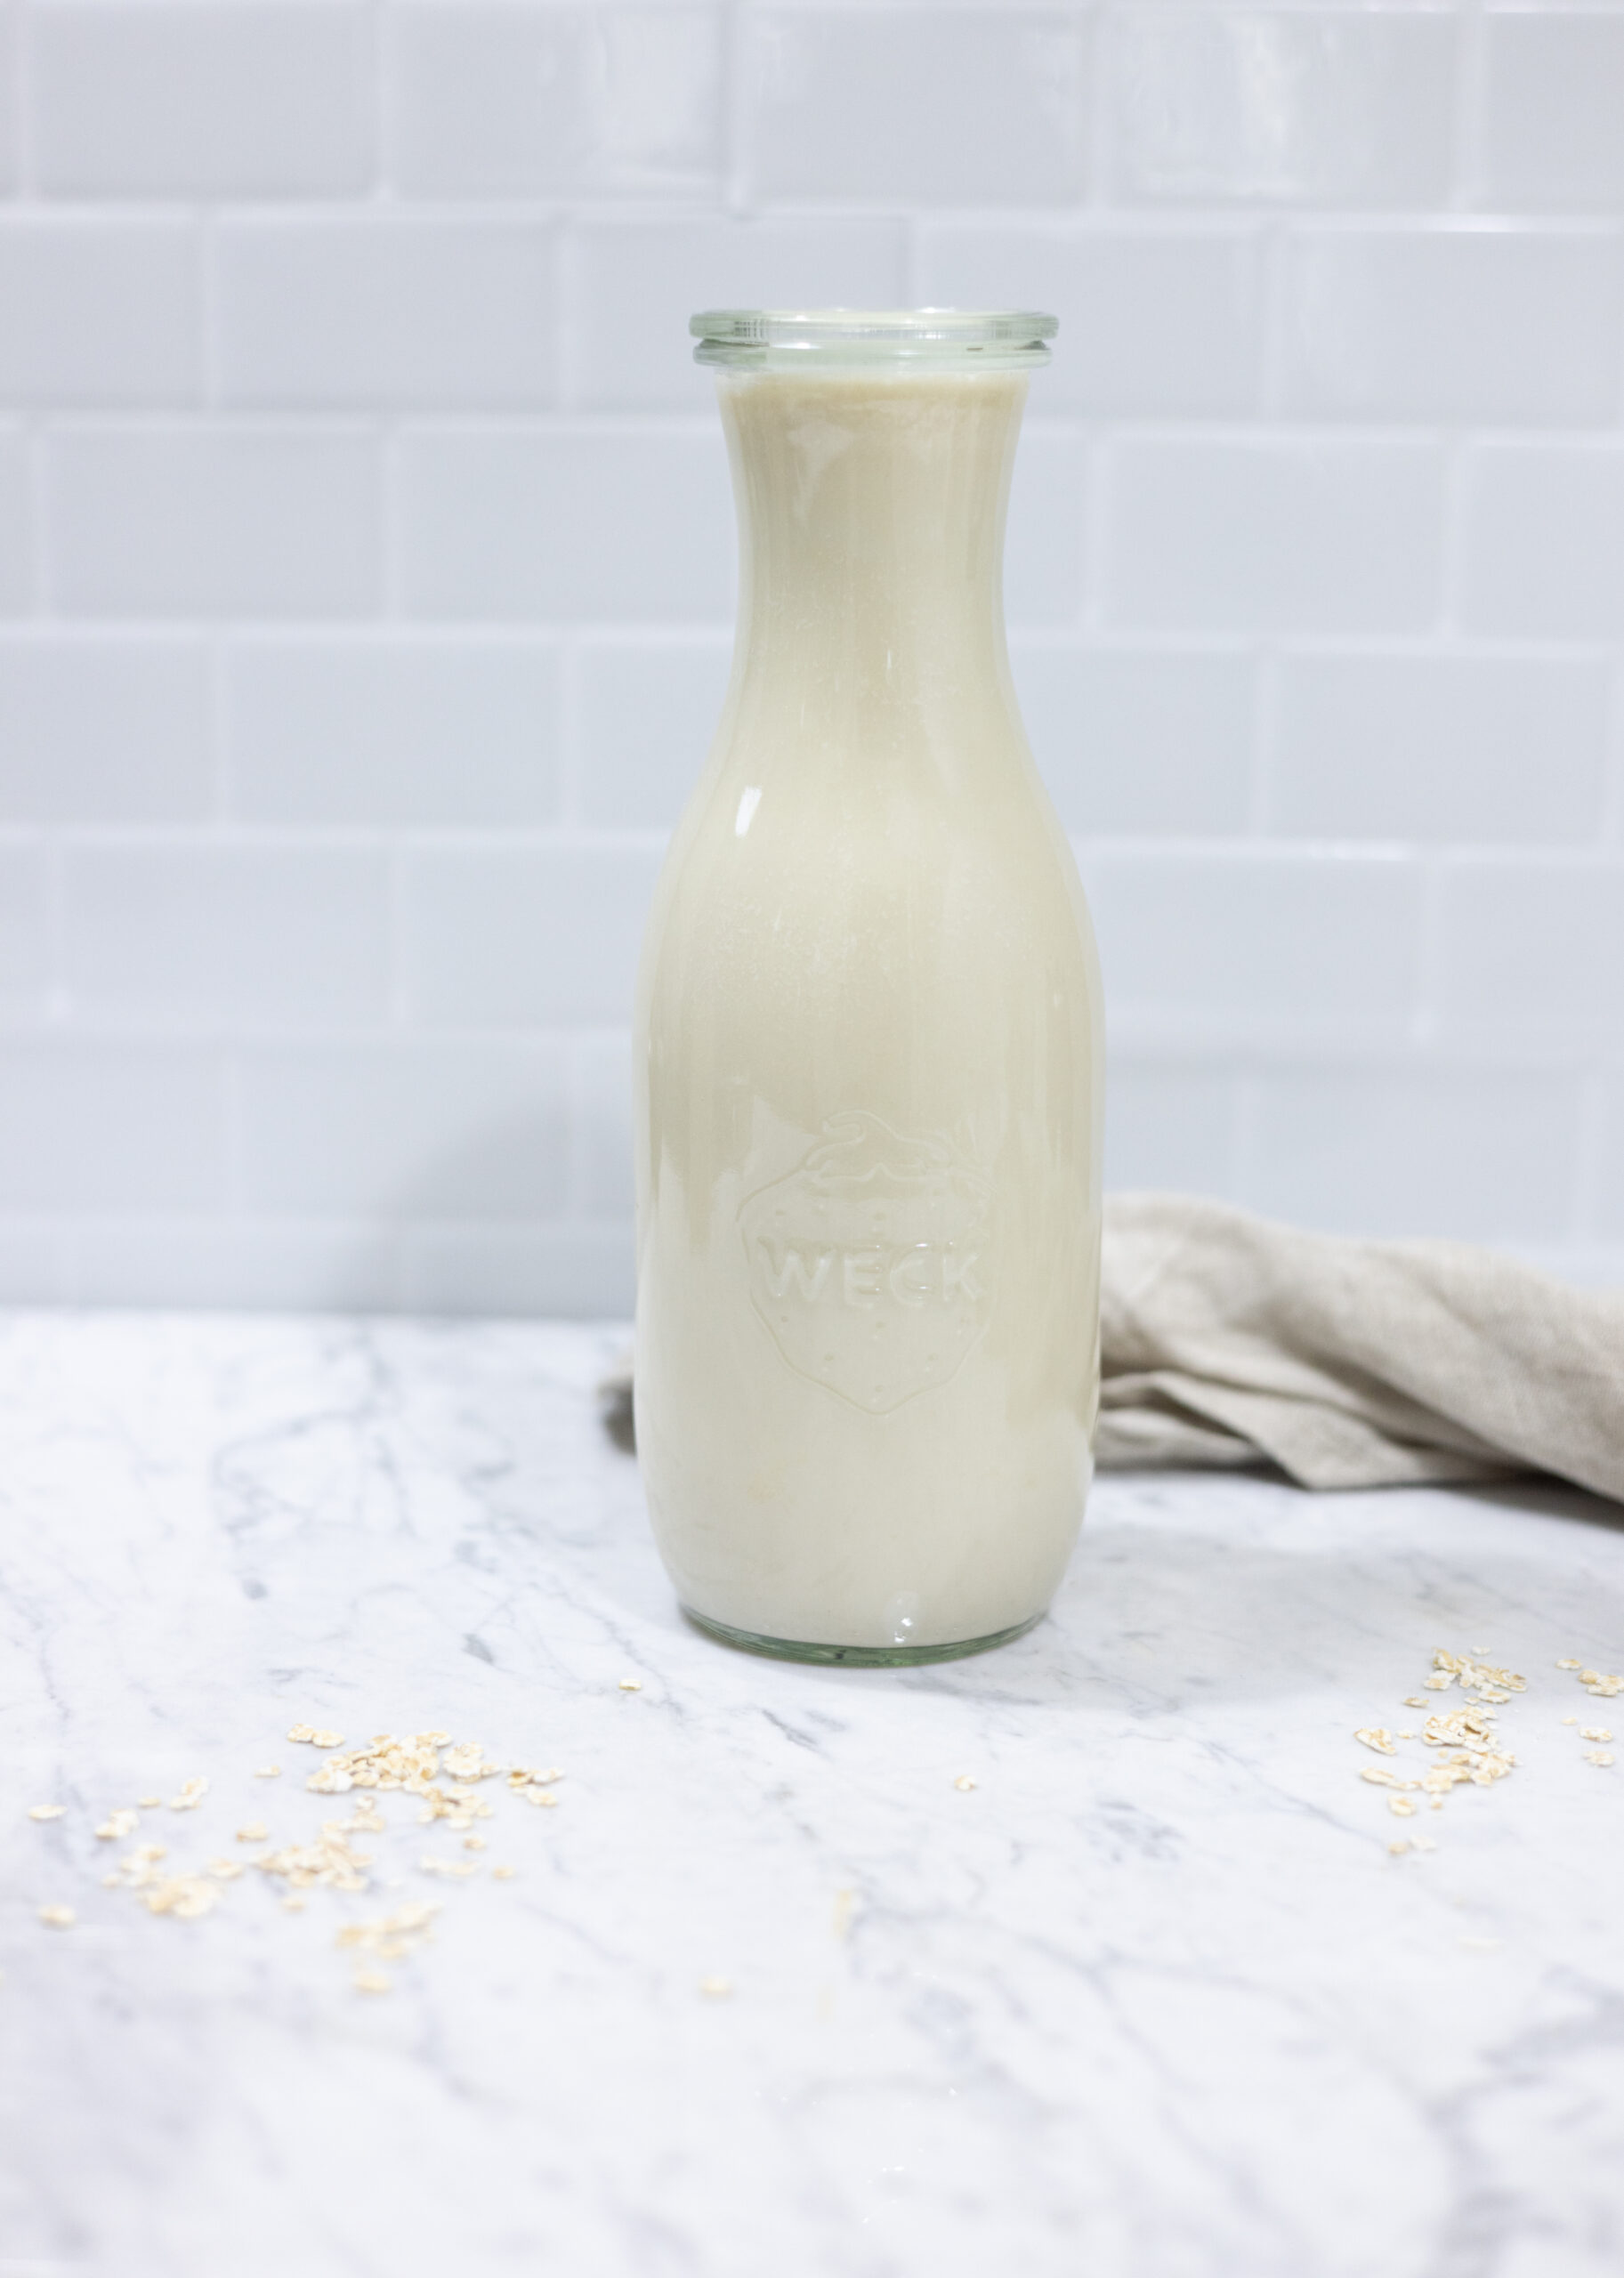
[(786, 338)]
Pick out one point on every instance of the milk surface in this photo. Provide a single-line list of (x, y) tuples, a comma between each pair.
[(868, 1047)]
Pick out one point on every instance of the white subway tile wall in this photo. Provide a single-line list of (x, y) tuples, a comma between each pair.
[(1554, 88), (210, 518), (10, 105), (945, 106), (386, 311), (583, 524), (19, 524), (1273, 536), (1335, 107), (366, 564), (98, 729), (525, 101), (200, 99), (406, 730), (241, 938), (25, 928), (100, 311)]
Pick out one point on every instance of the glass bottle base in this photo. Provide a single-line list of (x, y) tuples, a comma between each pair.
[(857, 1657)]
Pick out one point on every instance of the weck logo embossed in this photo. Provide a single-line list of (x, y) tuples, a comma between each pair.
[(871, 1264)]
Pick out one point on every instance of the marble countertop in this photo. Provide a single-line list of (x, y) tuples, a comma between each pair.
[(1154, 1998)]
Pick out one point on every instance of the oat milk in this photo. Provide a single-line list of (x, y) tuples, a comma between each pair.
[(869, 1038)]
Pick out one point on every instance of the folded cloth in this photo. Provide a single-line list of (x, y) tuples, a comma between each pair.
[(1226, 1339)]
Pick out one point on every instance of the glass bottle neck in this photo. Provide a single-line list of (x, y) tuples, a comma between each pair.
[(871, 512)]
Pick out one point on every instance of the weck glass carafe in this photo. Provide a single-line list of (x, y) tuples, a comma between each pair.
[(869, 1035)]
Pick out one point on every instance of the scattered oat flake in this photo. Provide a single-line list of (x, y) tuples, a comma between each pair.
[(329, 1862), (1594, 1733), (302, 1733), (1479, 1764), (1476, 1674), (269, 1772), (185, 1896), (450, 1866), (1569, 1720), (1600, 1757), (459, 1807), (58, 1918), (1400, 1845), (389, 1760), (1380, 1776), (1570, 1663), (1377, 1736), (326, 1740), (1437, 1683), (1402, 1805), (542, 1797), (255, 1831), (149, 1803), (631, 1684), (1413, 1701), (393, 1936), (371, 1980), (117, 1824), (1468, 1728), (502, 1874), (475, 1843), (225, 1870), (136, 1863), (964, 1782), (1599, 1687), (192, 1792), (468, 1762), (294, 1904), (715, 1989), (47, 1811)]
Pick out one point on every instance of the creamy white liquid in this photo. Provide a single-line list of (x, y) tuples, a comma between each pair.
[(869, 1041)]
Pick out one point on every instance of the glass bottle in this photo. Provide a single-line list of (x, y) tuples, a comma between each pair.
[(869, 1035)]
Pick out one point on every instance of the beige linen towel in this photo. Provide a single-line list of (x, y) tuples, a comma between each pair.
[(1227, 1340), (1348, 1363)]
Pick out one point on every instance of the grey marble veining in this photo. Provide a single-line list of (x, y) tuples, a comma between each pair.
[(1152, 1999)]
